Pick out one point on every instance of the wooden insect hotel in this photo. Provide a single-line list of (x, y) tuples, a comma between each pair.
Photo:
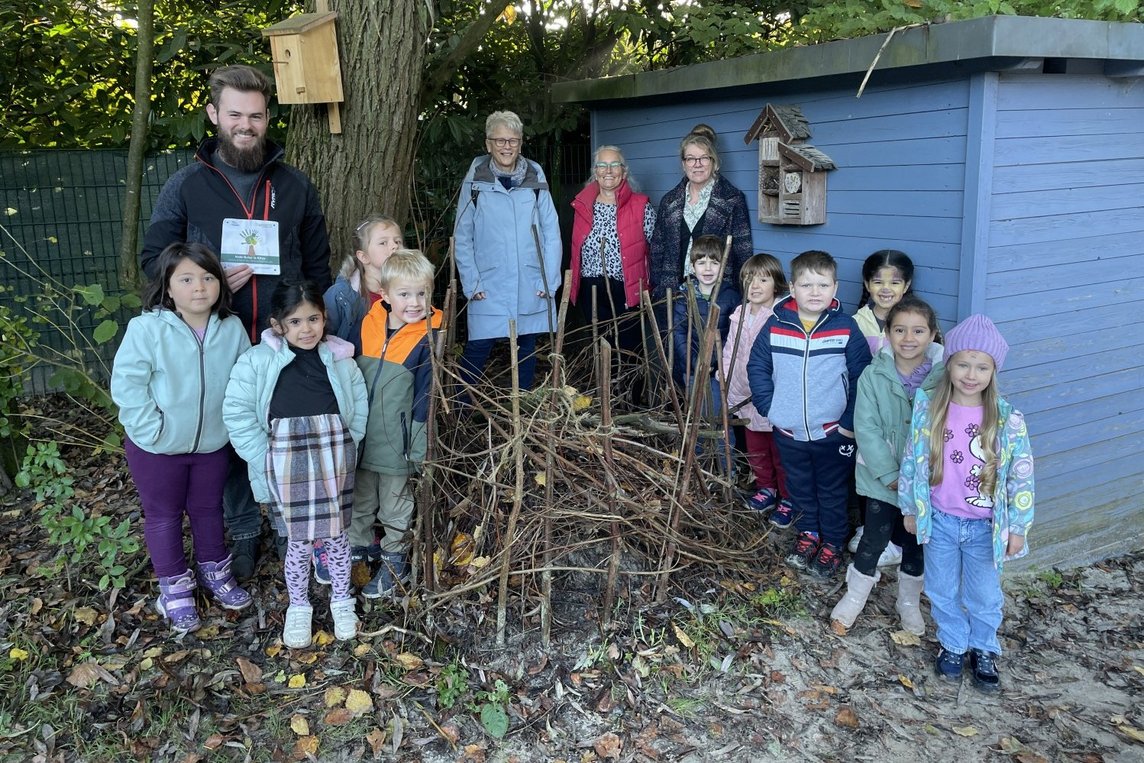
[(307, 68), (792, 173)]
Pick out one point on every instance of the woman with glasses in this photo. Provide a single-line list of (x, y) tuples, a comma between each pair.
[(704, 203), (610, 233), (507, 247)]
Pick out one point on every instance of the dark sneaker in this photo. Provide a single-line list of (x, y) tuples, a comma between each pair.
[(321, 567), (783, 514), (948, 665), (245, 554), (370, 553), (763, 501), (390, 575), (984, 667), (827, 561), (805, 549)]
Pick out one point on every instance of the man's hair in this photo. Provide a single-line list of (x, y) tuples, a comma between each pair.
[(815, 261), (239, 77), (407, 265), (710, 247)]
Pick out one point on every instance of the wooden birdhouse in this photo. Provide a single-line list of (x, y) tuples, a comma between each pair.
[(792, 173), (307, 69)]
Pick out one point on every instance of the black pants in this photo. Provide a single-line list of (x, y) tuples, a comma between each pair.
[(883, 524)]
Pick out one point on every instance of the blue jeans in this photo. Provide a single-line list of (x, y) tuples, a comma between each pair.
[(963, 584), (241, 512), (475, 357)]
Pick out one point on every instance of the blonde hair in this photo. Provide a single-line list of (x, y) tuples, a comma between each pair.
[(408, 265), (362, 231), (990, 428), (703, 136)]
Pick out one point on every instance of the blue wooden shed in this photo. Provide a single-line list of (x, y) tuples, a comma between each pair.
[(1005, 155)]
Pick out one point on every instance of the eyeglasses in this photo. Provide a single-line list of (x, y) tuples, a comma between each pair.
[(605, 166), (503, 142), (696, 161)]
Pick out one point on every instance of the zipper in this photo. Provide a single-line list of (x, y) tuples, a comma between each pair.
[(202, 383)]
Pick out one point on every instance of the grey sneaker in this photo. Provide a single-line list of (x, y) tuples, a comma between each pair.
[(391, 573)]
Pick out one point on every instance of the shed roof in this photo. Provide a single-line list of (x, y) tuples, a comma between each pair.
[(807, 157), (991, 42)]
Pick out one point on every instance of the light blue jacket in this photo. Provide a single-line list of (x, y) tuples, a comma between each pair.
[(496, 251), (1012, 496), (169, 386), (882, 413), (246, 409)]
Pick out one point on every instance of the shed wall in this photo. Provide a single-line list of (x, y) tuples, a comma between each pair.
[(900, 153), (1065, 283)]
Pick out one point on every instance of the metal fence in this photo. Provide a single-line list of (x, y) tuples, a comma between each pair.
[(61, 213)]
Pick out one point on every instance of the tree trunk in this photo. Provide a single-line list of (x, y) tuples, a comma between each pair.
[(144, 57), (369, 166)]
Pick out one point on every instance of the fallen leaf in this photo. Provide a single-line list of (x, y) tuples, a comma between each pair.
[(214, 741), (307, 658), (146, 663), (16, 653), (838, 628), (1030, 757), (176, 657), (334, 696), (376, 739), (85, 615), (539, 478), (905, 638), (1131, 732), (305, 747), (322, 638), (684, 639), (461, 549), (846, 718), (273, 650), (299, 725), (409, 661), (965, 731), (338, 717), (153, 652), (608, 746), (361, 650), (297, 681), (87, 673), (251, 673), (905, 681), (359, 702)]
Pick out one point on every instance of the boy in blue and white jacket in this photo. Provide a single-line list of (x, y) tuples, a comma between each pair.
[(803, 372)]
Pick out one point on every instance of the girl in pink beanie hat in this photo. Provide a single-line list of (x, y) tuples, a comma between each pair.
[(965, 489)]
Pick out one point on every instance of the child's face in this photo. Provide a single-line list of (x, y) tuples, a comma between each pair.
[(910, 336), (761, 289), (971, 372), (302, 328), (886, 289), (193, 290), (408, 302), (706, 272), (384, 240), (813, 292)]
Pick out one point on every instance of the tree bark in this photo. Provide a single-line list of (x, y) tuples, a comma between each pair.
[(136, 151), (369, 166)]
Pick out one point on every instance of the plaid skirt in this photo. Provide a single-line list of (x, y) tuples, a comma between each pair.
[(310, 472)]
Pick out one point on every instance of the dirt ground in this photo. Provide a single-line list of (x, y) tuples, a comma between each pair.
[(735, 668)]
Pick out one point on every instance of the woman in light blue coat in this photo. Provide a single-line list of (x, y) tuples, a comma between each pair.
[(508, 250)]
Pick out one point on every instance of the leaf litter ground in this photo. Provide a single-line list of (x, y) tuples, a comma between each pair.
[(725, 669)]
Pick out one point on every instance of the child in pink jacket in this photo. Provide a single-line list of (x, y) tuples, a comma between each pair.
[(763, 282)]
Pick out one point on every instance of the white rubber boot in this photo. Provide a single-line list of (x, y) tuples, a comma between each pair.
[(858, 587), (909, 603)]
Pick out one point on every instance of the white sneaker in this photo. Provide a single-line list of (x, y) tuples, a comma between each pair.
[(853, 544), (298, 632), (345, 618), (891, 557)]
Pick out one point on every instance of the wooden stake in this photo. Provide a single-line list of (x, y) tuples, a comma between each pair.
[(518, 493)]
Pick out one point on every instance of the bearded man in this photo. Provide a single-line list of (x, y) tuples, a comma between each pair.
[(263, 218)]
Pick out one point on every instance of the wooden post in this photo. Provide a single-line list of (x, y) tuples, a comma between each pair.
[(518, 492), (605, 372)]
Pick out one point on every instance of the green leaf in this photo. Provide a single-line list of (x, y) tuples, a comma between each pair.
[(105, 331), (92, 295), (494, 719)]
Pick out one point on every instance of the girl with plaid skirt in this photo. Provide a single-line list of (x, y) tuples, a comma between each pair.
[(296, 411)]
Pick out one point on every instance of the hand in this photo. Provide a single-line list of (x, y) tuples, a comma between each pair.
[(845, 432), (542, 294), (237, 276), (893, 486), (478, 296), (911, 524), (1015, 546)]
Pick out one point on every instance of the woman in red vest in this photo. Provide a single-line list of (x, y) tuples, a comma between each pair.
[(610, 235)]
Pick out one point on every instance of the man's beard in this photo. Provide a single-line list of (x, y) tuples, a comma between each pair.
[(242, 159)]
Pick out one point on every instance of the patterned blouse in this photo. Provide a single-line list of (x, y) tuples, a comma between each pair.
[(604, 239)]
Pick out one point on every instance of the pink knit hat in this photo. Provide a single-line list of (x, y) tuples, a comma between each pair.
[(977, 333)]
